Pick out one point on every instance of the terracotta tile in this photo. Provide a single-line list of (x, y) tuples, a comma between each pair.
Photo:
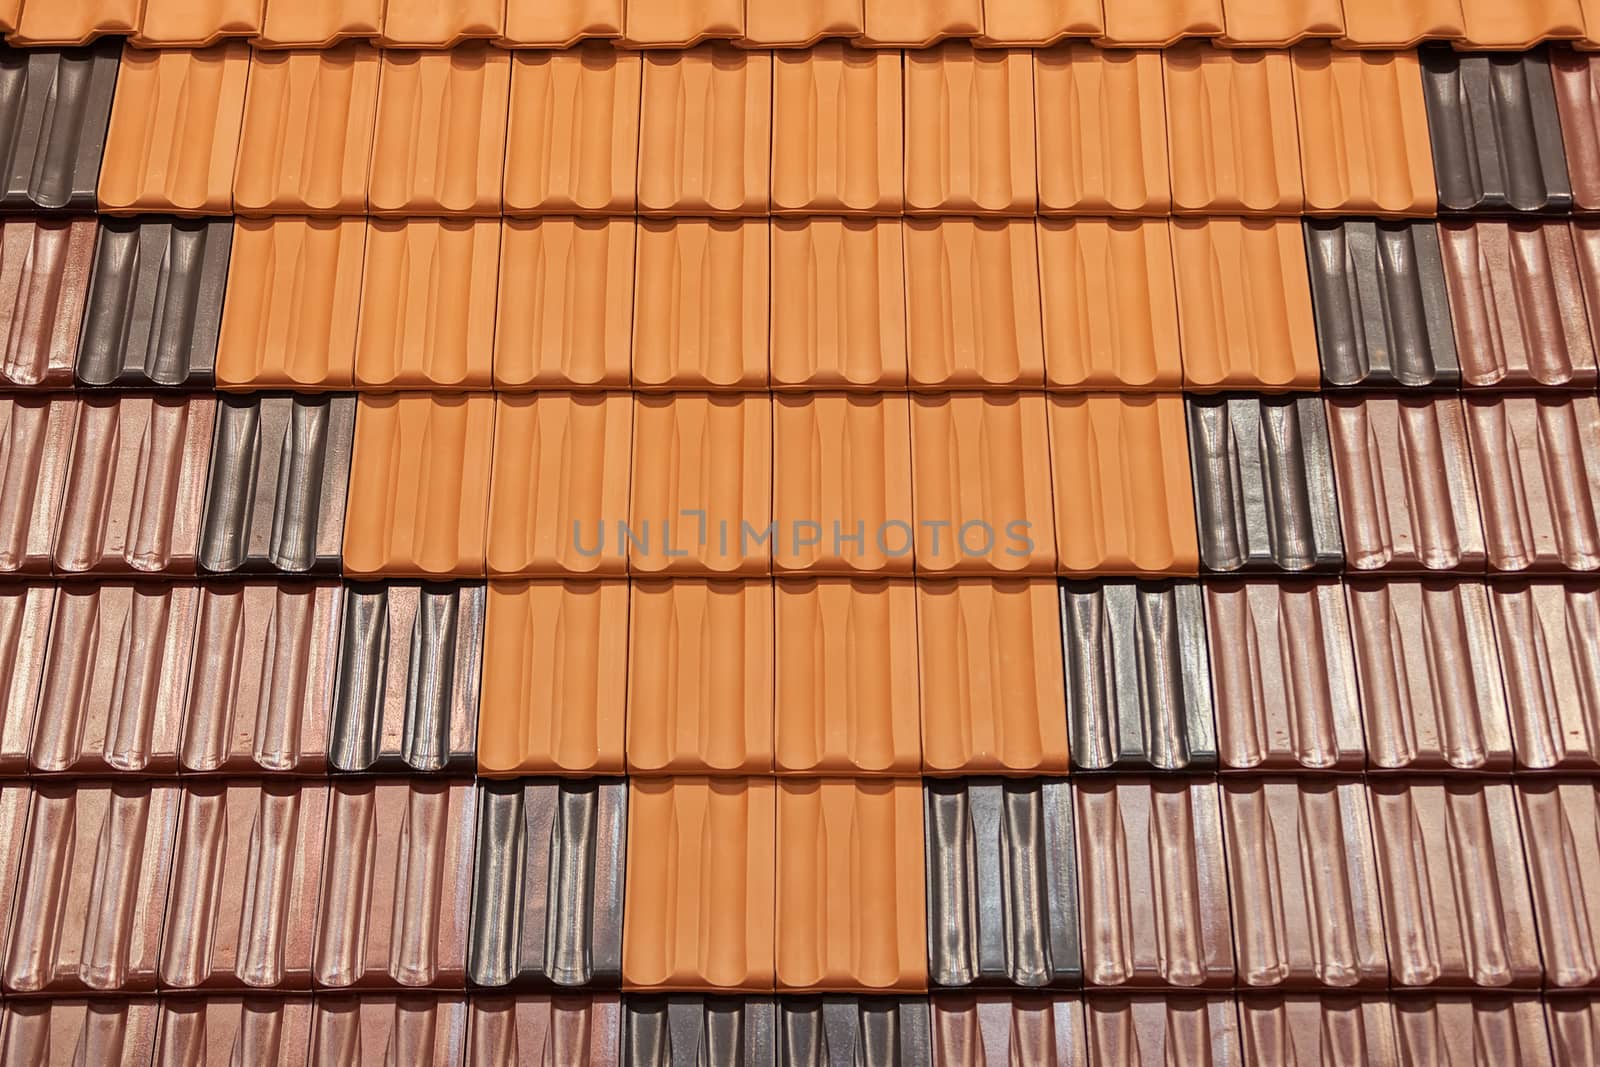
[(1586, 243), (1149, 922), (1231, 131), (569, 721), (545, 1031), (175, 131), (847, 681), (969, 130), (25, 612), (431, 24), (259, 844), (681, 23), (1120, 467), (805, 23), (1537, 460), (1523, 25), (1274, 23), (991, 677), (44, 280), (1552, 685), (1574, 1029), (840, 322), (134, 486), (837, 136), (16, 797), (92, 881), (561, 466), (842, 484), (318, 23), (850, 848), (1147, 1031), (439, 143), (700, 311), (1459, 1029), (1381, 24), (895, 24), (1161, 22), (702, 465), (424, 1029), (293, 301), (573, 139), (972, 303), (700, 884), (35, 436), (1285, 676), (55, 124), (1244, 304), (1110, 306), (57, 1033), (1000, 1029), (76, 22), (1037, 23), (700, 678), (1559, 815), (1102, 131), (205, 1031), (187, 24), (1576, 92), (419, 486), (561, 24), (1302, 1028), (712, 157)]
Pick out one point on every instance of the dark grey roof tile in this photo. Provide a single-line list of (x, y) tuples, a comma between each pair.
[(54, 107), (693, 1031), (853, 1032)]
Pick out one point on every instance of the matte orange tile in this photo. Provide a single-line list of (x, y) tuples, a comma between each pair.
[(1110, 304), (700, 890), (318, 23), (700, 309), (702, 485), (307, 133), (439, 141), (972, 303), (1363, 132), (1385, 24), (1035, 23), (1520, 25), (705, 141), (561, 23), (1102, 131), (992, 683), (851, 848), (174, 131), (801, 22), (842, 484), (1124, 502), (561, 463), (44, 282), (700, 677), (1244, 304), (681, 23), (10, 12), (289, 316), (846, 677), (75, 22), (441, 23), (554, 684), (565, 307), (1279, 23), (981, 494), (839, 319), (837, 130), (196, 23), (428, 294), (573, 139), (36, 434), (419, 486), (918, 24), (969, 130), (1159, 23)]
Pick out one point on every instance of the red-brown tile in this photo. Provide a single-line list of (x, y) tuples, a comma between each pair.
[(1574, 75), (998, 1029), (969, 130), (1152, 1031), (1561, 818), (25, 612), (441, 23), (196, 23), (837, 131), (1574, 1029), (541, 1030), (1318, 1030), (840, 322), (561, 23), (1450, 1030), (801, 22), (700, 311), (1546, 632), (35, 441), (373, 1031), (318, 23), (1102, 131), (1280, 22), (1159, 23), (63, 1033), (705, 131), (895, 24), (1586, 243), (1522, 25), (205, 1031), (76, 22), (573, 140), (44, 278), (16, 797)]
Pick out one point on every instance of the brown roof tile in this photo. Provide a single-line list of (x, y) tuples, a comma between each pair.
[(969, 130), (1102, 131), (572, 144), (1522, 25), (1384, 24), (700, 677), (1586, 243), (1280, 22), (35, 439), (1574, 1029), (419, 486), (44, 280), (1318, 1030), (1481, 1029), (25, 612), (205, 1032), (534, 719), (1152, 1031), (1561, 819), (1040, 22), (681, 23), (16, 797), (711, 157), (75, 22), (432, 24), (1543, 630), (1574, 77), (802, 22), (1231, 131), (840, 322), (893, 23), (62, 1033), (700, 312), (837, 129), (1158, 23), (374, 1031), (562, 23), (318, 23), (541, 1030), (993, 1030), (196, 23)]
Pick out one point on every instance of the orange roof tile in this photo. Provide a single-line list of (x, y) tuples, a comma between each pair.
[(1040, 22), (35, 438), (837, 130), (706, 132), (561, 23), (700, 890), (318, 23), (419, 485), (573, 139), (839, 321), (440, 137), (428, 294), (441, 23), (969, 130), (10, 12), (1386, 24), (700, 304), (44, 279), (1363, 132), (920, 23), (1110, 305), (1268, 23), (174, 131), (851, 848), (1102, 131), (289, 317), (565, 317), (846, 677), (560, 473), (1158, 23), (972, 303), (992, 677), (307, 132), (553, 680), (1124, 503), (700, 677), (801, 22), (1520, 25), (980, 466), (1244, 304), (73, 22), (196, 23), (681, 23)]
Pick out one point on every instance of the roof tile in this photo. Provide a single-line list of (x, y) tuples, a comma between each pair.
[(1460, 1029), (1523, 25), (1586, 243), (1285, 676), (192, 24), (547, 885), (205, 1032), (1431, 689), (1576, 89), (1297, 1028), (1276, 23), (541, 1030), (998, 1029), (572, 143), (803, 22), (700, 311), (58, 1033), (370, 1031), (431, 24), (700, 677), (1574, 1029), (991, 677), (44, 282), (318, 23), (895, 24), (561, 468), (292, 304), (847, 681), (714, 157), (681, 23), (76, 22), (565, 319), (1382, 24), (1102, 131), (1040, 22), (1542, 630), (1231, 131), (10, 12), (1124, 504), (837, 129), (969, 130), (25, 612), (419, 486), (135, 485), (54, 124), (1002, 885), (1150, 1031), (840, 323), (16, 797), (569, 721), (1562, 816), (562, 23), (671, 1031), (35, 437), (1160, 23)]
